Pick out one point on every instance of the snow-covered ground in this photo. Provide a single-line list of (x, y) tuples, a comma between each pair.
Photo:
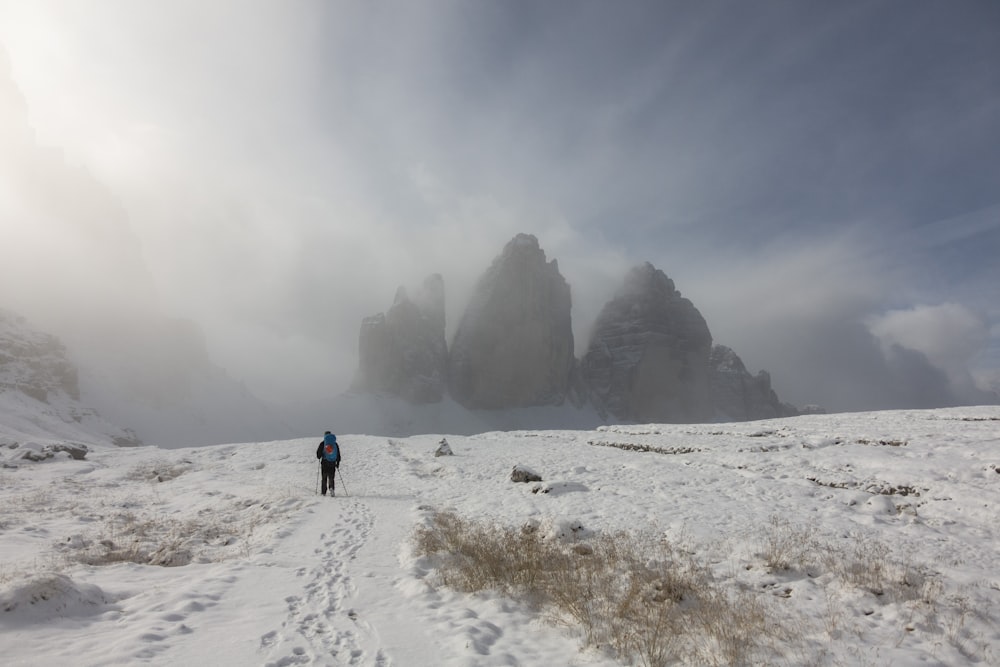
[(242, 563)]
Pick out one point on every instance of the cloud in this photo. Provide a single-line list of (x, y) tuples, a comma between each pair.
[(811, 310), (950, 336)]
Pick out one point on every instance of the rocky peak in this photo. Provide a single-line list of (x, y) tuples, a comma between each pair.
[(403, 351), (647, 359), (647, 282), (430, 300), (739, 396), (514, 344)]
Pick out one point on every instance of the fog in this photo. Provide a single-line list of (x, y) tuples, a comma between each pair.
[(820, 180)]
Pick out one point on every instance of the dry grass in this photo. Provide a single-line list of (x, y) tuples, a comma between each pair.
[(633, 592), (159, 471), (786, 547), (861, 561), (870, 565), (655, 604), (148, 539)]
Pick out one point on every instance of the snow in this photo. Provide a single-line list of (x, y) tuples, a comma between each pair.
[(257, 569)]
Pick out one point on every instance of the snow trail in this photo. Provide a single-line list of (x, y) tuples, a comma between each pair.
[(308, 635)]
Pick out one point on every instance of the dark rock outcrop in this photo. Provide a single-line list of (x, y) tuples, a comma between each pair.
[(403, 351), (648, 356), (739, 396), (522, 474), (514, 345), (34, 363), (36, 453)]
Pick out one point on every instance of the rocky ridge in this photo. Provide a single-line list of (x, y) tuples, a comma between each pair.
[(35, 369), (403, 351), (739, 396), (514, 345), (650, 357)]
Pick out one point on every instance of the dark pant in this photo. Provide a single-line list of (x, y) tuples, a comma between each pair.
[(328, 474)]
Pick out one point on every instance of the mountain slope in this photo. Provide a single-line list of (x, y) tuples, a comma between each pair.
[(40, 391)]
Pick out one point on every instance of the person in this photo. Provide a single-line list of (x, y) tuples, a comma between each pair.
[(328, 454)]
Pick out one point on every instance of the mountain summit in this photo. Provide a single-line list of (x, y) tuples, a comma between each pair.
[(514, 344), (403, 351), (648, 355)]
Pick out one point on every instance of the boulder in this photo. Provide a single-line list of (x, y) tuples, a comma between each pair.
[(36, 453), (444, 449), (522, 474), (76, 451)]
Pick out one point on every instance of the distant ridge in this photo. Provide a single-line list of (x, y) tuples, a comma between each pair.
[(650, 357)]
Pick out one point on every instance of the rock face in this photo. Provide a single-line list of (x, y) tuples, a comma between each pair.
[(34, 363), (647, 360), (35, 369), (514, 344), (739, 396), (403, 351)]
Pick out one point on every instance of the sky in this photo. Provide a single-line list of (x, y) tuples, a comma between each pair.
[(820, 179)]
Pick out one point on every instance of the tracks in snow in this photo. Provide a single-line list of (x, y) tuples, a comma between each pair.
[(348, 604), (320, 627)]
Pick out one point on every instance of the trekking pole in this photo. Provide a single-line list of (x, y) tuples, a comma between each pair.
[(317, 481), (342, 482)]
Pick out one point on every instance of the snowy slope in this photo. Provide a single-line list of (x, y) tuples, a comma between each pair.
[(256, 569), (39, 389), (23, 417)]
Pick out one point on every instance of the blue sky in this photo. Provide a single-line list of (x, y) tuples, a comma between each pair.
[(821, 179)]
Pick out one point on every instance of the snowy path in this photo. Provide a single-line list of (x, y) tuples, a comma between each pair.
[(307, 635)]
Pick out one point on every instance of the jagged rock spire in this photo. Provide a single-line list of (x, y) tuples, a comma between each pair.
[(514, 344), (403, 351), (647, 360)]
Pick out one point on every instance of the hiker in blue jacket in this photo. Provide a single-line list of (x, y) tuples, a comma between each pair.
[(328, 454)]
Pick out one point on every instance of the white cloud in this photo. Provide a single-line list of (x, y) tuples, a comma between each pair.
[(949, 334)]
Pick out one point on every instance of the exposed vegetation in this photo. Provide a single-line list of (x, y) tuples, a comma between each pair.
[(633, 447), (654, 603), (634, 592)]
